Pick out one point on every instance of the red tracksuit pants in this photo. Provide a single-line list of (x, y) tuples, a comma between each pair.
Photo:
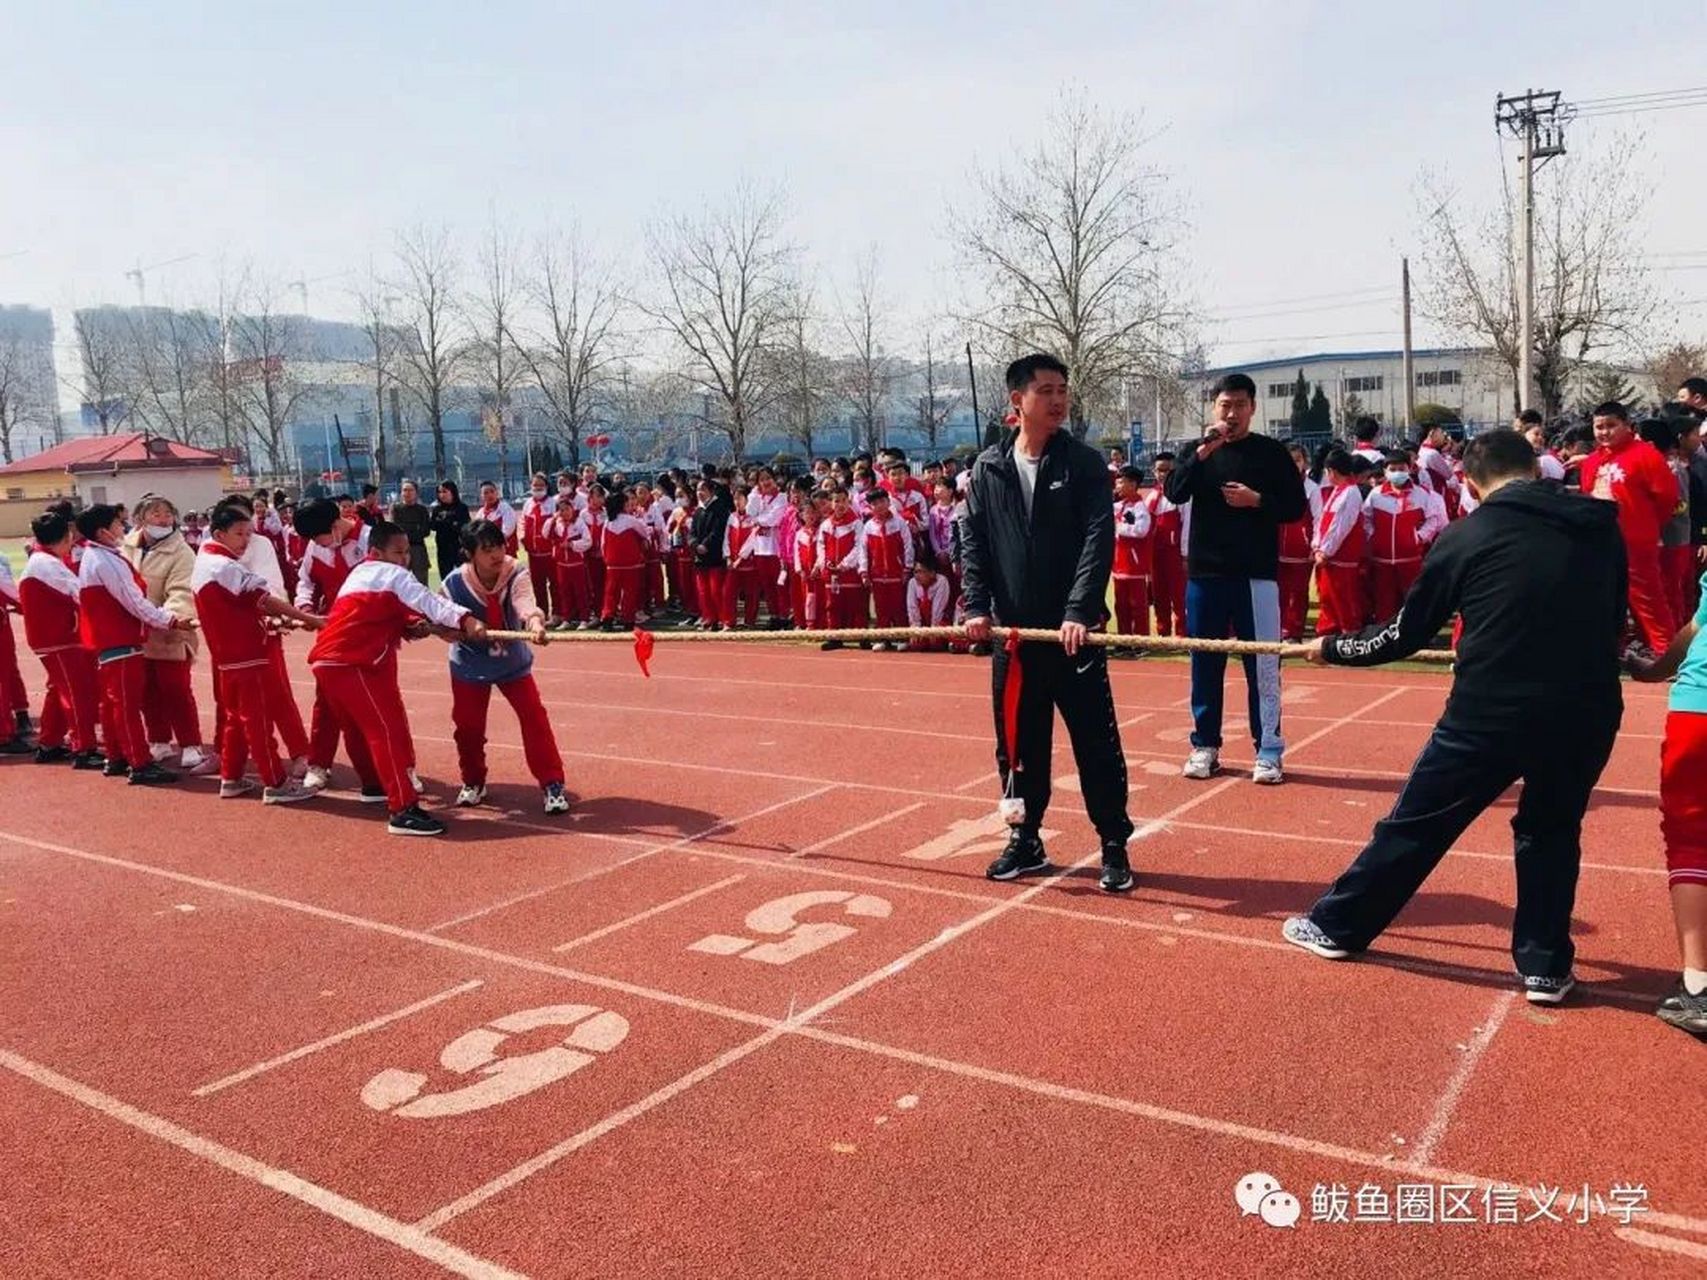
[(1392, 585), (850, 604), (543, 579), (811, 601), (1648, 596), (1683, 800), (741, 592), (1294, 583), (684, 580), (625, 588), (73, 700), (1678, 565), (1339, 598), (712, 586), (245, 695), (12, 678), (122, 683), (654, 579), (169, 711), (889, 601), (574, 602), (369, 709), (325, 728), (1132, 606), (1168, 584), (767, 570), (470, 701)]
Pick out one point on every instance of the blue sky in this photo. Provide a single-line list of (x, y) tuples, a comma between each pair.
[(299, 136)]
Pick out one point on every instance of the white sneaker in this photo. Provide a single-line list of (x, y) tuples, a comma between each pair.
[(1203, 762), (1267, 773), (415, 781), (160, 751), (231, 788), (472, 793), (296, 767), (197, 763), (291, 792), (314, 778), (556, 798)]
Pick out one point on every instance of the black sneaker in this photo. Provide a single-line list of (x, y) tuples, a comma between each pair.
[(1024, 856), (1540, 989), (53, 755), (1116, 870), (830, 646), (414, 821), (115, 769), (90, 759), (21, 723), (151, 775), (1684, 1011), (16, 747)]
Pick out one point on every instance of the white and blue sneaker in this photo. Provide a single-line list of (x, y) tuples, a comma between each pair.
[(1301, 931), (1266, 773)]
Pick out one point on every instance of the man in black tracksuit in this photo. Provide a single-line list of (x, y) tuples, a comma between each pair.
[(1538, 574), (1037, 546)]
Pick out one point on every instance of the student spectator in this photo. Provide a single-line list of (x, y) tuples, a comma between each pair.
[(740, 588), (1677, 556), (707, 534), (1340, 542), (1631, 472), (1167, 553), (885, 563), (764, 510), (568, 538), (839, 552), (536, 515), (1366, 431), (1401, 520), (1132, 557), (48, 595), (927, 605), (158, 550), (495, 510), (1297, 554)]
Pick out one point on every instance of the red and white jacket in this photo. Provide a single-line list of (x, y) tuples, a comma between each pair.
[(113, 601), (378, 602), (504, 516), (839, 549), (48, 594), (1400, 521), (803, 557), (324, 570), (927, 606), (885, 549), (8, 588), (1166, 523), (535, 524), (1296, 537), (740, 536), (1339, 529), (626, 538), (569, 537), (228, 603), (594, 522), (765, 514), (1132, 550), (910, 506)]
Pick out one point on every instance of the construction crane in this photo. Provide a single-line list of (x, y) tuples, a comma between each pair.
[(139, 275), (301, 286)]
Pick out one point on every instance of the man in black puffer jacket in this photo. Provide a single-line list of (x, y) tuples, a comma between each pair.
[(1539, 576), (1037, 546)]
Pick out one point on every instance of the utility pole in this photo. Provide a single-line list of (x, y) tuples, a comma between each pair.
[(1409, 375), (1535, 120)]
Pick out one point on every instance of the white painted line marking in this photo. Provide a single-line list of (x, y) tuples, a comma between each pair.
[(359, 1216), (1474, 1048), (863, 827), (373, 1024), (662, 907), (1666, 1244)]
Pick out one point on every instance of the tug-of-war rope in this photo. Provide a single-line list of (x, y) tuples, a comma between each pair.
[(643, 640)]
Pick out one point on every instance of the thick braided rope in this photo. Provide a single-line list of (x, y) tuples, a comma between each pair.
[(891, 635)]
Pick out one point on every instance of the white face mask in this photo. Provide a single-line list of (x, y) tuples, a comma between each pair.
[(565, 488), (1398, 477), (158, 532), (539, 493)]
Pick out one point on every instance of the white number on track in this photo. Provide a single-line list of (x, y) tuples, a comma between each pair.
[(781, 917)]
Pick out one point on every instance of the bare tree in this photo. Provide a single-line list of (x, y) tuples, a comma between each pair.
[(105, 366), (1071, 248), (937, 403), (28, 397), (266, 346), (173, 371), (493, 311), (1678, 361), (433, 353), (573, 353), (803, 371), (380, 359), (868, 371), (1591, 291), (722, 298)]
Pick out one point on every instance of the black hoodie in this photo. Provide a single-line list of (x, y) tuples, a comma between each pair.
[(1539, 575), (706, 528)]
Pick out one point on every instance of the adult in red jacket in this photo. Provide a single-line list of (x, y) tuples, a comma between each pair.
[(1631, 472)]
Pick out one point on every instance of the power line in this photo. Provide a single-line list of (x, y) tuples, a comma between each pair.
[(1637, 97), (1386, 299)]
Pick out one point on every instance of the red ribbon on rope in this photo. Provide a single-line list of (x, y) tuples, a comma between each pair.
[(1011, 685), (643, 646)]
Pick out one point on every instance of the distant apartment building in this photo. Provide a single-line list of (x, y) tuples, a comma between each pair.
[(29, 388)]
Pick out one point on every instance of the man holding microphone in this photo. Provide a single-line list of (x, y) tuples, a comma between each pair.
[(1242, 487)]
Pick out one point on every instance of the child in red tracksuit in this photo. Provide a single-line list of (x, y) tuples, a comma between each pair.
[(333, 545), (1132, 557), (741, 579), (535, 537), (490, 585), (1167, 553), (811, 608), (48, 593), (885, 563), (625, 539), (1339, 552), (594, 517), (115, 614), (1631, 472), (354, 660), (569, 543), (927, 604), (14, 699), (233, 603), (1400, 522), (845, 590), (1298, 555)]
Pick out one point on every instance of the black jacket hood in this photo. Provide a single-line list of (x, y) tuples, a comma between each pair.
[(1550, 500)]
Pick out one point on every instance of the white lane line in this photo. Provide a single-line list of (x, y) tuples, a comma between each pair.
[(725, 824), (372, 1024), (1665, 1244), (863, 827), (359, 1216), (504, 1181), (658, 910), (1474, 1049)]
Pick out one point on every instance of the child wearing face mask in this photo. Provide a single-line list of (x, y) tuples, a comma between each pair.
[(1400, 521), (535, 537), (159, 551)]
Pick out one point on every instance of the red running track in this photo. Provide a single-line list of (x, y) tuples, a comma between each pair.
[(754, 1008)]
